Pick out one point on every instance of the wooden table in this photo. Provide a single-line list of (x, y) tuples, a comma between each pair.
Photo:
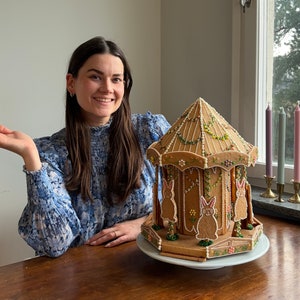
[(125, 272)]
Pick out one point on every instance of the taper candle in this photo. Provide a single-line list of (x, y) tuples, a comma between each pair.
[(269, 149), (297, 143), (281, 146)]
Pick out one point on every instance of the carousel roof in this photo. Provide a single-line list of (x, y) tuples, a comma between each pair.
[(202, 138)]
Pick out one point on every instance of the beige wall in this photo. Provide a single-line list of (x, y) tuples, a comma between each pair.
[(196, 54), (178, 50)]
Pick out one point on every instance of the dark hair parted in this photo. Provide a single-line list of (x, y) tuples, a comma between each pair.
[(125, 159)]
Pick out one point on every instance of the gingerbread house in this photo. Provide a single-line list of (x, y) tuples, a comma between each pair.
[(202, 200)]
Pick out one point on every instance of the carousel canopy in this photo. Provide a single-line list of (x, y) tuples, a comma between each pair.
[(202, 138)]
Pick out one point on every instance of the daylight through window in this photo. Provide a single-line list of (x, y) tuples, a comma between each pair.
[(286, 70)]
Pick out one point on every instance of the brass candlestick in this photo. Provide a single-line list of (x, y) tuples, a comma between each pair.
[(295, 198), (268, 192), (280, 189)]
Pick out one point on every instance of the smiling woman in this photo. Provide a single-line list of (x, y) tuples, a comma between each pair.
[(90, 182), (34, 58), (99, 87)]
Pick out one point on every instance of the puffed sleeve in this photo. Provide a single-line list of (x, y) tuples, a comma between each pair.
[(158, 126), (151, 127), (48, 223)]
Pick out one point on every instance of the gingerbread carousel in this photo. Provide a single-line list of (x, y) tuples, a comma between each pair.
[(202, 204)]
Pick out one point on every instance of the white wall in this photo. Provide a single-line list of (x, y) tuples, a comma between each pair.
[(37, 39)]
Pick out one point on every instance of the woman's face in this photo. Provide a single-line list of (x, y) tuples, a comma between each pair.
[(99, 87)]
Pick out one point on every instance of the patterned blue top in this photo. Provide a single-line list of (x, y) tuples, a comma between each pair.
[(54, 220)]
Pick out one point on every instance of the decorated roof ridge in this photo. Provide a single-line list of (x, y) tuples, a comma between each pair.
[(201, 130), (225, 128), (211, 129)]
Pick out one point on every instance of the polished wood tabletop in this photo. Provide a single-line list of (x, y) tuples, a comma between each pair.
[(125, 272)]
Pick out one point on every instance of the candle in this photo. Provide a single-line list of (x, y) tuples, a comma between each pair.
[(269, 159), (281, 146), (297, 143)]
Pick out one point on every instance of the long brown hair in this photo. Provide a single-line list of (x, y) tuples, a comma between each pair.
[(124, 157)]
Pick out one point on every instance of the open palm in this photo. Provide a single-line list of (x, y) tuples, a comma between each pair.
[(15, 141)]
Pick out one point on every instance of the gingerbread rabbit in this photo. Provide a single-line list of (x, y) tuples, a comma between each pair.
[(207, 224), (168, 206), (240, 205)]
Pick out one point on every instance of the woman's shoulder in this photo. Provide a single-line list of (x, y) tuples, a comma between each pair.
[(150, 120), (150, 126), (56, 143), (57, 138)]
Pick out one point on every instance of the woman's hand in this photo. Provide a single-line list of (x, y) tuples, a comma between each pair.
[(21, 144), (118, 234)]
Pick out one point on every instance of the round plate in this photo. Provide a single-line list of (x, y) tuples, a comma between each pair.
[(260, 249)]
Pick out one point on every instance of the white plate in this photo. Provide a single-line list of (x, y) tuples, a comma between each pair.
[(260, 249)]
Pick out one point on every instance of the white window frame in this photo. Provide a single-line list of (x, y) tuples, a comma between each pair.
[(252, 59)]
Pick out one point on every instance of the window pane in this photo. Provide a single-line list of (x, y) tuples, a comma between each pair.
[(286, 69)]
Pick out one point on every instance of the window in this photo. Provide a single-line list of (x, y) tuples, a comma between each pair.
[(286, 68), (268, 37)]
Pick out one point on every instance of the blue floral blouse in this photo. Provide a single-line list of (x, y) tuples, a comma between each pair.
[(53, 219)]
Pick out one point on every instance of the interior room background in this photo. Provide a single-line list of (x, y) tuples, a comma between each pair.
[(178, 51)]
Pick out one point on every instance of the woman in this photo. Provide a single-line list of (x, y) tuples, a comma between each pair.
[(89, 183)]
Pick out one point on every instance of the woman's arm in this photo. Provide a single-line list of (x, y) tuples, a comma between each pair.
[(21, 144), (48, 223)]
